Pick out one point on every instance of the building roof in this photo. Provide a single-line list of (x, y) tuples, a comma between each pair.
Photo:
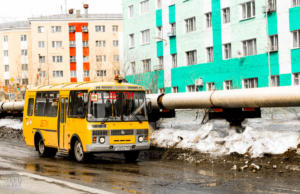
[(72, 17), (88, 86), (15, 25)]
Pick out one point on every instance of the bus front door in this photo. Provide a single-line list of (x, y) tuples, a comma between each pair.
[(62, 123)]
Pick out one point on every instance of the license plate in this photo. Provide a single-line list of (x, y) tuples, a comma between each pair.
[(122, 148)]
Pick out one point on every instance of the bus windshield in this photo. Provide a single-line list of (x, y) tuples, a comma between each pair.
[(117, 106)]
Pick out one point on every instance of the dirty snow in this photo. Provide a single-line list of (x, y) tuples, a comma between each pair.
[(273, 134), (11, 123)]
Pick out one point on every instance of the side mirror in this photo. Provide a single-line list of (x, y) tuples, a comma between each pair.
[(149, 107)]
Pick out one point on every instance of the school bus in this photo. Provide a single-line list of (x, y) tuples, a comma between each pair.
[(86, 118)]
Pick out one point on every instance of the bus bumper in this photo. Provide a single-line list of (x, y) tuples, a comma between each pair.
[(116, 147)]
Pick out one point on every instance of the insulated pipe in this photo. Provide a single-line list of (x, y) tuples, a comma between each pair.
[(236, 98), (12, 106)]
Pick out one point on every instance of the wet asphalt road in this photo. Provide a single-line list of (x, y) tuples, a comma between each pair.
[(111, 173)]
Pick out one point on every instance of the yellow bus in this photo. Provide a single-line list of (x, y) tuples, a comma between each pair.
[(86, 118)]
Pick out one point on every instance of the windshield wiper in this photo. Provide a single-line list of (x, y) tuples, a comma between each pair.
[(136, 111)]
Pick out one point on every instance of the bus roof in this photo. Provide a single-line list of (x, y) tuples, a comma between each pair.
[(88, 86)]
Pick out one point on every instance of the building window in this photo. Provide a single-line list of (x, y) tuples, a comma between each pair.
[(174, 60), (72, 44), (73, 73), (191, 57), (115, 43), (85, 43), (100, 43), (191, 88), (43, 74), (132, 65), (210, 86), (5, 53), (175, 89), (71, 28), (190, 24), (85, 28), (273, 43), (5, 38), (250, 83), (56, 44), (41, 44), (25, 81), (210, 54), (41, 29), (144, 7), (296, 3), (56, 29), (86, 73), (100, 28), (161, 62), (228, 85), (42, 59), (249, 47), (161, 90), (57, 59), (24, 52), (130, 11), (145, 36), (296, 38), (6, 82), (158, 4), (296, 79), (58, 73), (72, 59), (23, 38), (227, 51), (116, 72), (248, 10), (115, 28), (101, 58), (208, 20), (274, 80), (6, 68), (25, 67), (101, 73), (226, 15), (85, 59), (131, 40), (116, 58), (159, 33), (271, 5), (146, 65)]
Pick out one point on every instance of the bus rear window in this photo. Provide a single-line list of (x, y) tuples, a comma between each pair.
[(46, 104)]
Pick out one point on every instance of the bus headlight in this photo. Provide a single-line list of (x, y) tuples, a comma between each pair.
[(102, 140), (141, 139)]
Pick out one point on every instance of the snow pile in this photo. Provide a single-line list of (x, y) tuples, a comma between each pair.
[(11, 123), (261, 136)]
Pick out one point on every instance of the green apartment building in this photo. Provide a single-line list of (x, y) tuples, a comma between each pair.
[(199, 45)]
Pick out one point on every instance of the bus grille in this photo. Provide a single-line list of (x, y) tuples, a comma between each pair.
[(100, 132), (142, 132), (121, 132)]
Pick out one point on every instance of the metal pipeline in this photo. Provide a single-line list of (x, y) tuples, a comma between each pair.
[(255, 97), (12, 106)]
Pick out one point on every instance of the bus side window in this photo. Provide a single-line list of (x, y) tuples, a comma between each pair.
[(78, 104), (30, 107)]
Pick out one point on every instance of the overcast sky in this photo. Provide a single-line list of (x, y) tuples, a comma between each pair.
[(11, 10)]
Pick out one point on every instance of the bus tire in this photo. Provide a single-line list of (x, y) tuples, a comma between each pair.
[(79, 155), (43, 150), (131, 156)]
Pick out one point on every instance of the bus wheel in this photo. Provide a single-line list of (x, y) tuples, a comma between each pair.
[(45, 151), (131, 156), (78, 152)]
